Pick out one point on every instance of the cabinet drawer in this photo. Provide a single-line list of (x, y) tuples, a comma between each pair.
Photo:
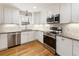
[(75, 50)]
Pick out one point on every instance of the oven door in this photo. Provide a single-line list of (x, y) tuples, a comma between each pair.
[(50, 40)]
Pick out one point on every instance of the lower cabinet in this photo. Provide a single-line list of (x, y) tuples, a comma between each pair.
[(38, 36), (63, 46), (59, 45), (3, 41), (66, 46), (27, 36), (31, 35), (24, 37), (75, 48)]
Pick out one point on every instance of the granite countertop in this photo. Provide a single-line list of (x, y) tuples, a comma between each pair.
[(24, 30), (67, 37), (43, 30)]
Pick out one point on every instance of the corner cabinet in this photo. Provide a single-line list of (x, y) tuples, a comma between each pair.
[(64, 46), (65, 12)]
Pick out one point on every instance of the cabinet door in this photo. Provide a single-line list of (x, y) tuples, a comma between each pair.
[(75, 48), (1, 15), (11, 15), (65, 13), (24, 37), (7, 15), (59, 45), (15, 16), (31, 36), (39, 36), (27, 37), (66, 47), (3, 41), (75, 12)]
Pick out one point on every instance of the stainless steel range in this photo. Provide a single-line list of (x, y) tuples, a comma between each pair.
[(50, 37)]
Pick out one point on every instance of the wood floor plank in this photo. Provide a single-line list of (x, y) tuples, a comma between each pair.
[(34, 48)]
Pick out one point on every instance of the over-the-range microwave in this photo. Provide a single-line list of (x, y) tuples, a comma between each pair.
[(53, 19)]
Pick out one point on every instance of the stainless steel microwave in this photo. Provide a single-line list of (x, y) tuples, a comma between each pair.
[(53, 19)]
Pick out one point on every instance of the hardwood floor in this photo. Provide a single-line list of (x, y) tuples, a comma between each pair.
[(34, 48)]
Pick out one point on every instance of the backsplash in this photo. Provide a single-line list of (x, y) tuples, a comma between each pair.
[(71, 30), (44, 26)]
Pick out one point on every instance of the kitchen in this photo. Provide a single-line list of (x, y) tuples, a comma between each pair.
[(54, 25)]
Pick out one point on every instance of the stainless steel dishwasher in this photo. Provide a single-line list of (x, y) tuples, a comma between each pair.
[(14, 39)]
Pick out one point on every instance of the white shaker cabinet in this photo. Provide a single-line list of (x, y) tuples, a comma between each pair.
[(65, 12), (24, 37), (31, 36), (27, 36), (7, 15), (11, 15), (3, 41), (1, 14), (75, 48), (75, 12), (59, 45), (64, 46), (39, 36)]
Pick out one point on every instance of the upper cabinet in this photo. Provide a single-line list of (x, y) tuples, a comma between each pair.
[(69, 13), (65, 12), (1, 14), (9, 15), (75, 12)]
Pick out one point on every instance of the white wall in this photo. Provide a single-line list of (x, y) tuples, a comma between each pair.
[(71, 30)]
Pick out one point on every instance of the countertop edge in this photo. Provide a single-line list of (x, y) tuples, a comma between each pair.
[(67, 37), (23, 31)]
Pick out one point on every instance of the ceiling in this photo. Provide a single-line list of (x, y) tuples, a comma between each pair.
[(35, 6)]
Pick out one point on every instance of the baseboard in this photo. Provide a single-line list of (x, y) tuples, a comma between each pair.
[(3, 49)]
